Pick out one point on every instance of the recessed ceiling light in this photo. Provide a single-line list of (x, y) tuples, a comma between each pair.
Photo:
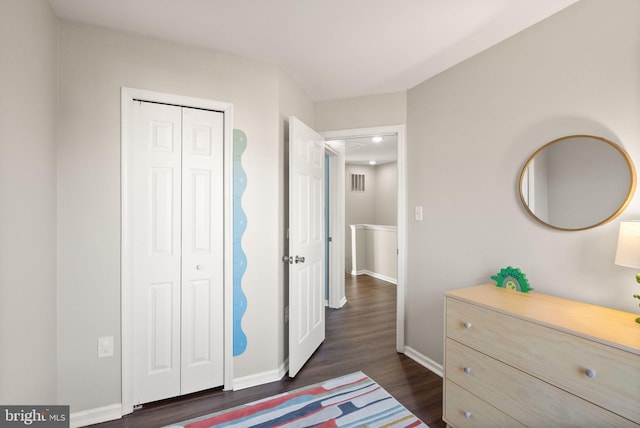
[(372, 162), (376, 139)]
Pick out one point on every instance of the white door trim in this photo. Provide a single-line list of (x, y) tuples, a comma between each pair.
[(399, 130), (128, 95), (337, 297)]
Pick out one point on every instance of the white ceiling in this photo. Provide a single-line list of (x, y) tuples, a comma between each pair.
[(331, 48), (362, 150)]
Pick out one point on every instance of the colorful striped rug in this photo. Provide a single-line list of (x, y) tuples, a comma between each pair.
[(353, 400)]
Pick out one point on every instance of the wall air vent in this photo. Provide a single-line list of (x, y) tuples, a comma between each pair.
[(357, 182)]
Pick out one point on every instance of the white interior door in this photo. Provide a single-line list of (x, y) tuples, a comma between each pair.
[(306, 243), (156, 250), (177, 250), (202, 338)]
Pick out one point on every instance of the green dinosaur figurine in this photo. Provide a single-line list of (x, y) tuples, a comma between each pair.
[(513, 279)]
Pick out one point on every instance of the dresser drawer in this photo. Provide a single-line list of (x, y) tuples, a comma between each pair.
[(604, 375), (532, 401), (463, 409)]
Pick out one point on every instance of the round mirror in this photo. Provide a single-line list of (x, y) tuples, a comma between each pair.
[(577, 182)]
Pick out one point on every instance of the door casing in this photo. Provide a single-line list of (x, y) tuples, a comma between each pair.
[(335, 151), (399, 130), (128, 95)]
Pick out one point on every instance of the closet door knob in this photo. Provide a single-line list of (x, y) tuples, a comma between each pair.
[(467, 325), (467, 415), (467, 370), (590, 373), (199, 267)]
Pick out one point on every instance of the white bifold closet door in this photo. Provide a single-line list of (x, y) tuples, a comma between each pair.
[(177, 250)]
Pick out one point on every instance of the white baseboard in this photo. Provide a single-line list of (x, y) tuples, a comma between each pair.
[(261, 378), (95, 416), (424, 361), (343, 301), (375, 275), (114, 411), (382, 277)]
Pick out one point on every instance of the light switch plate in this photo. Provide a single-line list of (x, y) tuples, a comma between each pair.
[(418, 213), (105, 347)]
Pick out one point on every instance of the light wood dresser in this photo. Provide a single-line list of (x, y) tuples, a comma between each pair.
[(529, 359)]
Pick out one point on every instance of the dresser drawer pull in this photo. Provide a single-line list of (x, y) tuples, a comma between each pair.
[(467, 370), (590, 373), (467, 325), (467, 415)]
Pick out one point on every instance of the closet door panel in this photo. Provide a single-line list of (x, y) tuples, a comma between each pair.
[(202, 250), (156, 250)]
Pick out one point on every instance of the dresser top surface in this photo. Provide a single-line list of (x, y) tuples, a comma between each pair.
[(605, 325)]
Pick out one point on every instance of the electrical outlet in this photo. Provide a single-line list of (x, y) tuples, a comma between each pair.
[(105, 347)]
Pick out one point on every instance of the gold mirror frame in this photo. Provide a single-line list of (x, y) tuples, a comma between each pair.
[(616, 213)]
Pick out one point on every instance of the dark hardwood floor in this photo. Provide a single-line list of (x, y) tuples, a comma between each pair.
[(359, 337)]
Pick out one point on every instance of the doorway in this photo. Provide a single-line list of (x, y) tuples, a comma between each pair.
[(201, 185), (337, 139)]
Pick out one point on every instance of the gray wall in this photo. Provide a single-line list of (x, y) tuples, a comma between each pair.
[(60, 193), (387, 194), (378, 204), (361, 112), (470, 131), (28, 345), (94, 64), (359, 207)]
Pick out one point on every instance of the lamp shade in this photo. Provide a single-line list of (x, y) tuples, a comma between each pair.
[(628, 251)]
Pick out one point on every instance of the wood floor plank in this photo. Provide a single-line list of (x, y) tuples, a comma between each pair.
[(359, 337)]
